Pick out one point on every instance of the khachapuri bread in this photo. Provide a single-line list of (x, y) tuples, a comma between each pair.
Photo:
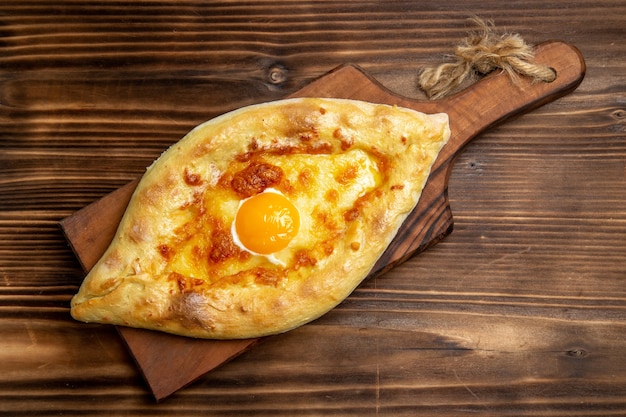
[(263, 219)]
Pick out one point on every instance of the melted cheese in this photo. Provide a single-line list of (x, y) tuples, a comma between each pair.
[(323, 187)]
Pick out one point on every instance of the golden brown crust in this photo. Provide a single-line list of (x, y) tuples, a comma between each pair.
[(355, 170)]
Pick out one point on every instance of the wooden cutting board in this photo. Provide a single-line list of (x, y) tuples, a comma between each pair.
[(170, 362)]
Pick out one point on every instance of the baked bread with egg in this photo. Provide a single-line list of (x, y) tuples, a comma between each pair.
[(262, 219)]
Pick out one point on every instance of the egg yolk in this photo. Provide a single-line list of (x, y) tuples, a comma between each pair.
[(266, 222)]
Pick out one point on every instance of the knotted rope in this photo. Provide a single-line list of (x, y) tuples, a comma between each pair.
[(482, 52)]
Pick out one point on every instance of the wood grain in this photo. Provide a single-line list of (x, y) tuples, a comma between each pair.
[(521, 311)]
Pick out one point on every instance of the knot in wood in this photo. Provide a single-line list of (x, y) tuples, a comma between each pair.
[(577, 353), (619, 114), (277, 74)]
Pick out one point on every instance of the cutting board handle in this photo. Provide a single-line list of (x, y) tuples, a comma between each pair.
[(497, 98)]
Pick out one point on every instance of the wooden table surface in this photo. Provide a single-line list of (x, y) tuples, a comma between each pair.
[(521, 311)]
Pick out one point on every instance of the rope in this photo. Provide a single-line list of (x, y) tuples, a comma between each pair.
[(483, 52)]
